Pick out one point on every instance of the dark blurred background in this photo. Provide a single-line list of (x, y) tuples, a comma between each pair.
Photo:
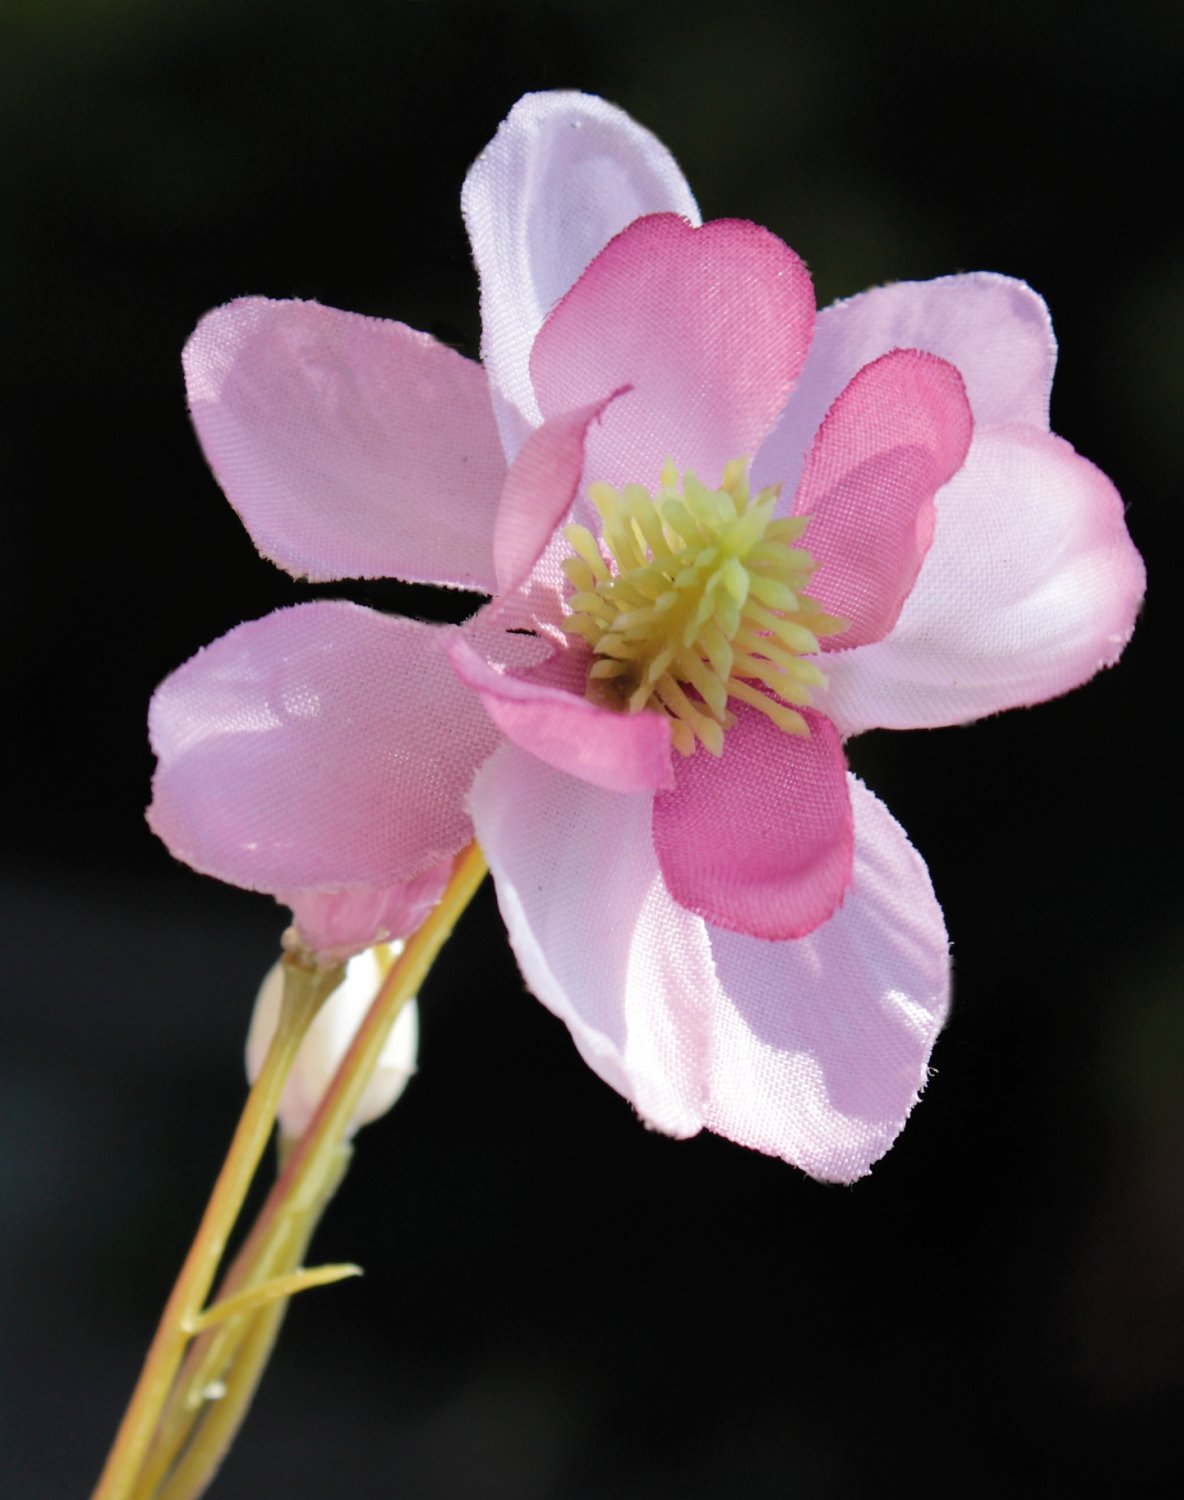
[(558, 1303)]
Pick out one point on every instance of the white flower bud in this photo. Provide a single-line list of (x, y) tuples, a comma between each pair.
[(329, 1038)]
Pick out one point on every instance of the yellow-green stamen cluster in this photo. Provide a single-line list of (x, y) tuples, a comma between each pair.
[(705, 602)]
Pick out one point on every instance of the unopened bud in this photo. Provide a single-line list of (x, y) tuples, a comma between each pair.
[(329, 1038)]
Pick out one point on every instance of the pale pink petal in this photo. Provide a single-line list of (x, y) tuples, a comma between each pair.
[(995, 330), (541, 600), (1030, 587), (820, 1047), (618, 752), (321, 747), (542, 484), (336, 923), (351, 447), (893, 437), (812, 1050), (563, 175), (759, 840), (597, 937), (709, 327)]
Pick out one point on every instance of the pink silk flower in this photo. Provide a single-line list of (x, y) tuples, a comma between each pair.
[(747, 941)]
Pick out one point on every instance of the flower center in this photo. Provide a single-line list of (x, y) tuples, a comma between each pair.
[(702, 601)]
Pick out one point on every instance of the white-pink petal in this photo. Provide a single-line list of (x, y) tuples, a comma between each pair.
[(564, 174), (617, 752), (540, 489), (323, 746), (708, 328), (812, 1050), (759, 840), (893, 437), (820, 1047), (995, 330), (597, 937), (1032, 585), (351, 447)]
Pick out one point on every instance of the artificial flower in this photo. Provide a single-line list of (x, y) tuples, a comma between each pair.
[(736, 932)]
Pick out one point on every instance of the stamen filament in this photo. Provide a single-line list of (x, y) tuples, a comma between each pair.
[(699, 600)]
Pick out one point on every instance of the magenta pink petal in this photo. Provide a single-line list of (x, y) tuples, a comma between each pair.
[(708, 326), (994, 330), (351, 447), (894, 436), (759, 841), (336, 923), (323, 746), (821, 1047), (542, 484), (619, 752), (1031, 586), (812, 1050), (564, 173)]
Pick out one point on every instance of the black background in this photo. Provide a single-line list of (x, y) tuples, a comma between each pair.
[(558, 1303)]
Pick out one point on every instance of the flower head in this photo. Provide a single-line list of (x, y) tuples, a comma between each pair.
[(719, 537)]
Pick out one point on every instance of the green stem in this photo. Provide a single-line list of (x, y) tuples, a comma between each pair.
[(310, 1171), (192, 1420), (304, 990), (310, 1158), (220, 1421), (252, 1298)]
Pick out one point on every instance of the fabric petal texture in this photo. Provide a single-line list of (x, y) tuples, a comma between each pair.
[(746, 943), (618, 752), (1032, 585), (596, 934), (564, 174), (540, 489), (813, 1050), (994, 330), (336, 923), (821, 1047), (323, 746), (759, 840), (350, 447), (708, 327), (893, 437)]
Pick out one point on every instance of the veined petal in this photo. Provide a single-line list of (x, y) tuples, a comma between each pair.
[(812, 1050), (563, 175), (993, 329), (1032, 585), (618, 752), (820, 1047), (759, 840), (708, 327), (351, 447), (323, 746), (893, 437)]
